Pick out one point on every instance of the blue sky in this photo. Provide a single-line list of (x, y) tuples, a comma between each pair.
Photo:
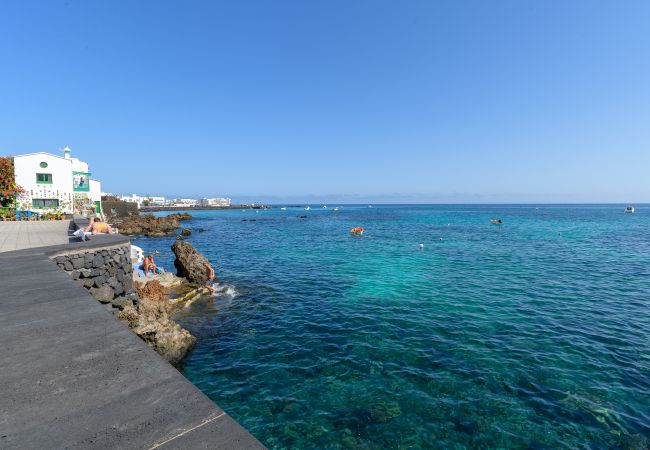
[(418, 101)]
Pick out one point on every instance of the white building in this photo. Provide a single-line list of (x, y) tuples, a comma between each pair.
[(214, 202), (156, 201), (54, 183), (183, 202), (152, 201)]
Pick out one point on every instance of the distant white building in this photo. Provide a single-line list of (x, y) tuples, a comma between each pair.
[(141, 199), (183, 202), (214, 202), (156, 201), (132, 199), (54, 183)]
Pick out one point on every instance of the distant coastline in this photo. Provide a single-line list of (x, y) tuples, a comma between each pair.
[(146, 209)]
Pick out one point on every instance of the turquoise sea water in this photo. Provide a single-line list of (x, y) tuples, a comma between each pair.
[(530, 334)]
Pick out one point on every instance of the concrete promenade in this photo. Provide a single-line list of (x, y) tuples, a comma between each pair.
[(19, 235), (72, 376)]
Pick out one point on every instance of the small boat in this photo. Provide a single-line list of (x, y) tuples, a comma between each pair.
[(336, 208), (496, 221), (324, 206), (356, 231), (284, 208), (629, 209), (307, 208)]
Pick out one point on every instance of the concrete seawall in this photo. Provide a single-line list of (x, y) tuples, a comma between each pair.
[(72, 376)]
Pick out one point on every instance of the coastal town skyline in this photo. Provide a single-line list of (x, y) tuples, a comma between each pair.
[(420, 103)]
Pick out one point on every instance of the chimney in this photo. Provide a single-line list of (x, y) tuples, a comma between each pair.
[(66, 152)]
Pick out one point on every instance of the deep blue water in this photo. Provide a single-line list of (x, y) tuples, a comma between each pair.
[(530, 334)]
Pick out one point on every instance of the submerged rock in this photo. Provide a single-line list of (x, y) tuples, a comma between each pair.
[(189, 263), (186, 232)]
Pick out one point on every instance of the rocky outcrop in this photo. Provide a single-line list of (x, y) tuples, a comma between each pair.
[(186, 232), (152, 290), (150, 225), (189, 263), (108, 275), (150, 319)]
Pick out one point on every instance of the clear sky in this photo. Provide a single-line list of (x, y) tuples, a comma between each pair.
[(396, 101)]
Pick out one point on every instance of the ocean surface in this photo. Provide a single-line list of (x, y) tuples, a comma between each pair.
[(530, 334)]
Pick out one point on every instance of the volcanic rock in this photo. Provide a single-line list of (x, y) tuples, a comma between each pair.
[(150, 225), (189, 263)]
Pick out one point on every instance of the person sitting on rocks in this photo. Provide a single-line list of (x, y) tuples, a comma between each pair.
[(97, 226), (149, 265)]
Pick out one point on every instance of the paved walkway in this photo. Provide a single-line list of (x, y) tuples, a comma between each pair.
[(20, 235), (72, 376)]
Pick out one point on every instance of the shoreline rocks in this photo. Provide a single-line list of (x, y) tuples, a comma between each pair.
[(190, 263), (150, 320), (108, 276), (150, 225)]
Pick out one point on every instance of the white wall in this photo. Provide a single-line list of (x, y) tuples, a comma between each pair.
[(95, 190), (79, 166), (26, 168)]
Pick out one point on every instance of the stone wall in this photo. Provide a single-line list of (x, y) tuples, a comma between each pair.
[(106, 272)]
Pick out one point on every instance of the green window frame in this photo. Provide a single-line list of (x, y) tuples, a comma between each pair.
[(44, 178), (45, 203)]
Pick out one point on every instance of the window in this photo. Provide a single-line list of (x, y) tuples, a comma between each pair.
[(44, 178), (45, 203), (43, 165)]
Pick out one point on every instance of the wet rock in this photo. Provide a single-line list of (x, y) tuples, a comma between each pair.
[(186, 232), (189, 263)]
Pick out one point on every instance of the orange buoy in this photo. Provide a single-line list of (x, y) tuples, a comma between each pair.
[(357, 231)]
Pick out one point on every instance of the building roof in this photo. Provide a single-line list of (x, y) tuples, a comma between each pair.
[(41, 153)]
